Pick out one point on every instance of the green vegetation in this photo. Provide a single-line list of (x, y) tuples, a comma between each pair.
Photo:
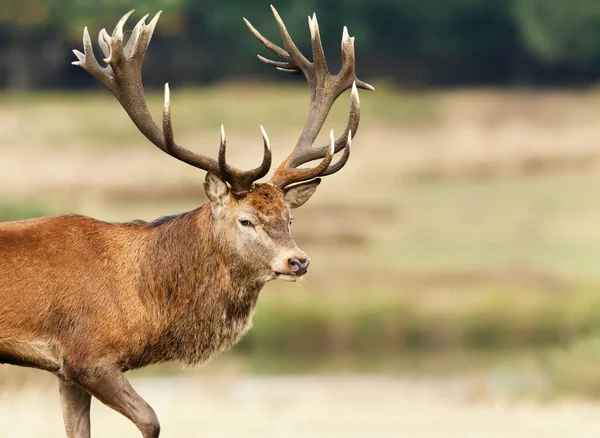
[(491, 320), (558, 31), (14, 211)]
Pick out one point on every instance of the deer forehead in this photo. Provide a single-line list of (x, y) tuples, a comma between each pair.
[(268, 202)]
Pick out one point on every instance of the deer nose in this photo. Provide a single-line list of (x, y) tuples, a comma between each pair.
[(299, 266)]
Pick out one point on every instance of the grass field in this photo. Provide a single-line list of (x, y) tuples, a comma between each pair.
[(462, 232)]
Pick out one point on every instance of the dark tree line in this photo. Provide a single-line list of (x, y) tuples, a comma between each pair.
[(408, 42)]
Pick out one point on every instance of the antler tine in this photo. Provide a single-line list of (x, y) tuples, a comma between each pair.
[(268, 44), (123, 77), (134, 39), (242, 181), (333, 168), (267, 157), (118, 31), (102, 43), (281, 66), (317, 45), (295, 55), (173, 149)]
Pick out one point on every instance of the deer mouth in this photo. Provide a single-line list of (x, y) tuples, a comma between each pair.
[(285, 276)]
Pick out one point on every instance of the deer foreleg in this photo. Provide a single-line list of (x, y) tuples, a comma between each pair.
[(75, 403), (110, 386)]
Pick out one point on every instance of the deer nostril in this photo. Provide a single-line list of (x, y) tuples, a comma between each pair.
[(294, 263), (299, 266)]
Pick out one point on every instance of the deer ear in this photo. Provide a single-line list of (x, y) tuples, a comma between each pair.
[(216, 189), (297, 195)]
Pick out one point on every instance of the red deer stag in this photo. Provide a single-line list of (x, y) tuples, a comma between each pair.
[(89, 300)]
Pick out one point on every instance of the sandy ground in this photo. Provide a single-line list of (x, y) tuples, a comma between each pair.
[(349, 406)]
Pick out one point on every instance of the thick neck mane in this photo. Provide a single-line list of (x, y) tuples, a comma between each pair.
[(203, 298)]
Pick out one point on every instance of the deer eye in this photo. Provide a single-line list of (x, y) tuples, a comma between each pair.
[(246, 223)]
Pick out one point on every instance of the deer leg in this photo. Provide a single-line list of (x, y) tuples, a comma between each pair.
[(75, 403), (110, 386)]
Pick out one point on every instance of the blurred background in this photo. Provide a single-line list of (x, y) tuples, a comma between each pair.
[(454, 284)]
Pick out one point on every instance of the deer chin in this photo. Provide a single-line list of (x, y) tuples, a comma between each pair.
[(287, 277)]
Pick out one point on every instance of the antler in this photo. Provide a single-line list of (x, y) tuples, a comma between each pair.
[(123, 77), (325, 89)]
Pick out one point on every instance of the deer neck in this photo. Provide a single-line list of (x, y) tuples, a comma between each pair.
[(200, 294)]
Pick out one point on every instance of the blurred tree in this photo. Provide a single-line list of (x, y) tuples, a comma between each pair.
[(417, 42), (557, 30), (39, 30)]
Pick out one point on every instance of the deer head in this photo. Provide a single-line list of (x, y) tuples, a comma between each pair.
[(252, 220)]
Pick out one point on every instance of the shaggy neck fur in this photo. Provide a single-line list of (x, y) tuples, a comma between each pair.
[(201, 295)]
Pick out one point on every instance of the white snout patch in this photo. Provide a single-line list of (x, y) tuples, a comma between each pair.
[(287, 277)]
